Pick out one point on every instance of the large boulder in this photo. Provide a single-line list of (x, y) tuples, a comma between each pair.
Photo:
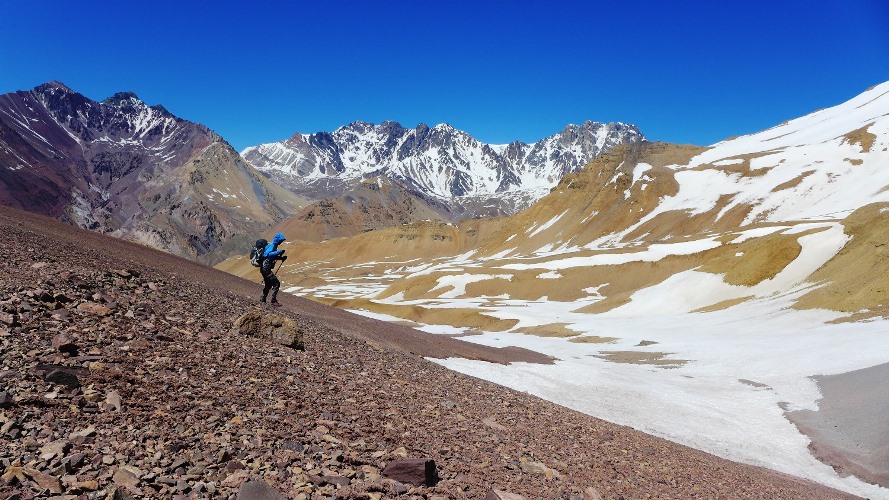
[(278, 328)]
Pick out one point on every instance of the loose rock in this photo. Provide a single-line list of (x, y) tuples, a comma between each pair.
[(502, 495), (259, 490), (417, 471)]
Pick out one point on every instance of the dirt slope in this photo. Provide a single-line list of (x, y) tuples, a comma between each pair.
[(120, 369)]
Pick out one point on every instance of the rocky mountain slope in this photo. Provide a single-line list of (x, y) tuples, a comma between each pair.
[(131, 170), (123, 375), (373, 204), (441, 165)]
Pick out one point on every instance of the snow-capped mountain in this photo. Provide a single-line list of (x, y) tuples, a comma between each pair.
[(440, 162), (122, 167)]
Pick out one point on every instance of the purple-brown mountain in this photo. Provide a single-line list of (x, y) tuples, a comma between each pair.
[(135, 171)]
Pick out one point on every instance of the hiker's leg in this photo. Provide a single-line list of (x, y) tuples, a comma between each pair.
[(275, 285), (267, 279)]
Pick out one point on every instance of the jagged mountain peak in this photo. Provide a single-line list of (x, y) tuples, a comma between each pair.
[(391, 124), (122, 98), (438, 162), (591, 128), (53, 86), (357, 126)]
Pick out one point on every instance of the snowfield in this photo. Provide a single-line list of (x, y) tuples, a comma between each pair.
[(736, 370)]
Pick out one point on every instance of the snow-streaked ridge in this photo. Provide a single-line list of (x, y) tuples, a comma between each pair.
[(440, 161)]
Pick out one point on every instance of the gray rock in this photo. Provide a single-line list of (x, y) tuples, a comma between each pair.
[(62, 377), (591, 494), (112, 399), (259, 490), (337, 480), (8, 319), (119, 494)]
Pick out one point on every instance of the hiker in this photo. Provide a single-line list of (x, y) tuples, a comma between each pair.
[(270, 255)]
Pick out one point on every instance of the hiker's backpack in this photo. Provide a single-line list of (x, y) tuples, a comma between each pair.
[(257, 252)]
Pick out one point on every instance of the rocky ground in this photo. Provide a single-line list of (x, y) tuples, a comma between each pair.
[(123, 375)]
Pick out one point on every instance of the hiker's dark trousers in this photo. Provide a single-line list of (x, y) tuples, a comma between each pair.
[(271, 283)]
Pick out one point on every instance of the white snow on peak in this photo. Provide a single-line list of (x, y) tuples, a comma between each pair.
[(440, 161)]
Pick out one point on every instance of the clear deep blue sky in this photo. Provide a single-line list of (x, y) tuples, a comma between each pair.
[(683, 71)]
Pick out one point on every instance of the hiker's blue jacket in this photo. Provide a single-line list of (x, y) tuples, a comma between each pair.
[(271, 252)]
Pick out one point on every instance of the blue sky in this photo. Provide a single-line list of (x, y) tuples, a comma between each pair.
[(683, 71)]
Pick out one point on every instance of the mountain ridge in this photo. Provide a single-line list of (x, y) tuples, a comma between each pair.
[(439, 162), (136, 171)]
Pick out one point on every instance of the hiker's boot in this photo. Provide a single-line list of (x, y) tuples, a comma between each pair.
[(276, 303), (262, 299)]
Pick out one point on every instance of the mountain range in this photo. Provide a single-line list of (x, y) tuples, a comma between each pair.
[(749, 196), (446, 168), (127, 169), (131, 170)]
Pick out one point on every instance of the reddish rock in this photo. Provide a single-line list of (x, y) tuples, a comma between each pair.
[(8, 319), (125, 478), (64, 343), (502, 495), (45, 481), (94, 308), (415, 471)]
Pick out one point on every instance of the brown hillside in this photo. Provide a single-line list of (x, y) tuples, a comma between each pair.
[(374, 204), (599, 199), (856, 280), (122, 371)]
